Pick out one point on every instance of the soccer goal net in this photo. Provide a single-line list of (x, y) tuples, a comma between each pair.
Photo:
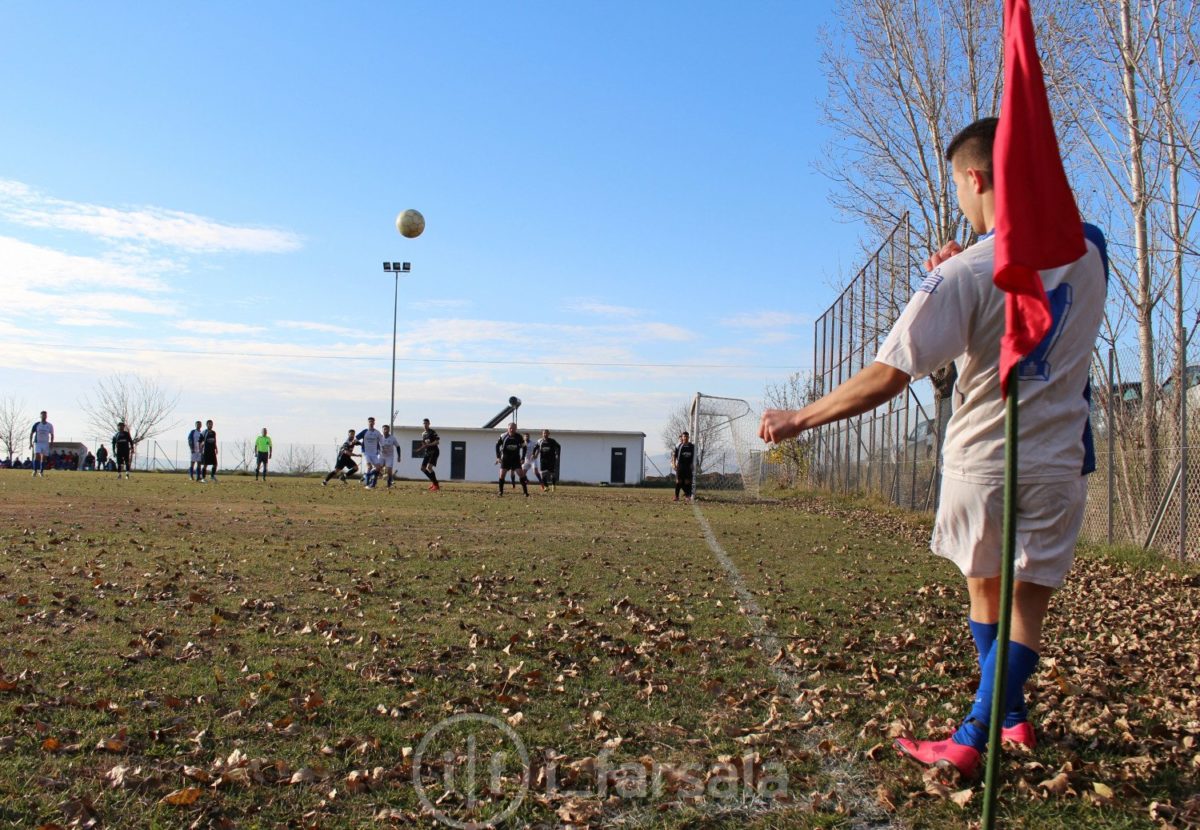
[(729, 454)]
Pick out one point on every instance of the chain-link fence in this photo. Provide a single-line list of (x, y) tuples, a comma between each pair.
[(1146, 488), (232, 456), (891, 451)]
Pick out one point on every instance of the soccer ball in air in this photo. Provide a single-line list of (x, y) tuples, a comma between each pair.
[(410, 223)]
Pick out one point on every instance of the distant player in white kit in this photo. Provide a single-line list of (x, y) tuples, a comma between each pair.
[(40, 439), (371, 439), (195, 441), (387, 452), (529, 464)]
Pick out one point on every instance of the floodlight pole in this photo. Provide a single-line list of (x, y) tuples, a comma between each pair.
[(396, 269)]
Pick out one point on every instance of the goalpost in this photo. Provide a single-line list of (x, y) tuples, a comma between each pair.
[(729, 454)]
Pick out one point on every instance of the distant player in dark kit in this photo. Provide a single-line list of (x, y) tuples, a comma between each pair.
[(510, 455), (429, 444), (122, 444), (262, 453), (101, 457), (195, 441), (208, 457), (683, 460), (345, 459), (548, 453)]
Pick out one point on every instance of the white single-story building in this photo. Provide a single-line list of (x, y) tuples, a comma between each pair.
[(469, 454)]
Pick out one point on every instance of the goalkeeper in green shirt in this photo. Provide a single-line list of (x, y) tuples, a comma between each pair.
[(262, 453)]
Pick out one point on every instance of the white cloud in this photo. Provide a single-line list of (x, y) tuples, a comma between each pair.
[(328, 328), (429, 305), (591, 306), (37, 267), (213, 327), (23, 205), (766, 320)]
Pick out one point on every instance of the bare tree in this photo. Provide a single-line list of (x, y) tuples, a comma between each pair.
[(15, 423), (903, 78), (140, 402), (1138, 148), (708, 435), (793, 455), (300, 459), (243, 452), (902, 81)]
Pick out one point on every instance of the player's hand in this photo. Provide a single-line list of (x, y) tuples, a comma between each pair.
[(779, 425), (948, 250)]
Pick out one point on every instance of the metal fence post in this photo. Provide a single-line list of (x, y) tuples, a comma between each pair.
[(1184, 490), (1112, 479)]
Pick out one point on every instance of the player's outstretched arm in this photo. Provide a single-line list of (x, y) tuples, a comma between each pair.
[(874, 385)]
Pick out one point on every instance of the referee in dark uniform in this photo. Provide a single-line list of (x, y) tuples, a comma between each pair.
[(510, 455)]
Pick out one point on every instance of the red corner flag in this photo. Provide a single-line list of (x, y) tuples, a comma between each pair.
[(1037, 221)]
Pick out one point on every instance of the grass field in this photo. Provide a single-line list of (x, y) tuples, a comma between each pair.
[(243, 655)]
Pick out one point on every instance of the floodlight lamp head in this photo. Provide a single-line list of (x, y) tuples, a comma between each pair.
[(404, 266), (387, 266)]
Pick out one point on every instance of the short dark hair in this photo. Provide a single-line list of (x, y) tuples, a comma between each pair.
[(976, 140)]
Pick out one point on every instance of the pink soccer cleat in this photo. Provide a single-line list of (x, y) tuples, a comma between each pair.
[(941, 753), (1021, 734)]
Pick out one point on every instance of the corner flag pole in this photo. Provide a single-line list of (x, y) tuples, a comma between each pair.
[(1037, 227), (1004, 629)]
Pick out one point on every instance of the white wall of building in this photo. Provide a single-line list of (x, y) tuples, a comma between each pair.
[(587, 455)]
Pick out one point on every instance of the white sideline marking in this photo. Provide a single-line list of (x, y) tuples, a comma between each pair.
[(766, 638), (866, 812)]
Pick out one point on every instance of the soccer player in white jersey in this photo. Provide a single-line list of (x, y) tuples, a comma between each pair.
[(387, 452), (195, 441), (370, 439), (40, 439), (958, 314)]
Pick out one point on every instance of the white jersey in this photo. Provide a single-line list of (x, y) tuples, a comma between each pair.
[(958, 314), (387, 446), (42, 431), (370, 441), (196, 440)]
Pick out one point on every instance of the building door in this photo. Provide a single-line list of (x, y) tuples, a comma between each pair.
[(617, 474), (458, 460)]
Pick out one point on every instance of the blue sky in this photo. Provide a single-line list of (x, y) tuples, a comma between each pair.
[(205, 195)]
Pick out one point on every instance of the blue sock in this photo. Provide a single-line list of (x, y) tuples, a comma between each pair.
[(985, 635), (1022, 660)]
